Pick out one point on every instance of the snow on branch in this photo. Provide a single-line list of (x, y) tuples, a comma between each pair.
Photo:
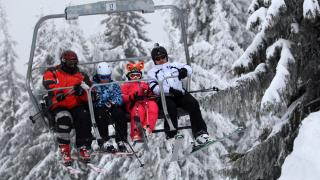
[(256, 19), (311, 9), (278, 86), (255, 4), (274, 10), (245, 62)]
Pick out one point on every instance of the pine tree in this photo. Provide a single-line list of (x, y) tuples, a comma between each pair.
[(216, 33), (287, 31), (12, 85), (125, 37)]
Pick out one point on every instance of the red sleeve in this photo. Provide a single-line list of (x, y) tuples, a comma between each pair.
[(125, 93), (49, 80)]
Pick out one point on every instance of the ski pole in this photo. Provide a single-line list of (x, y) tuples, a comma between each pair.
[(125, 138), (126, 141), (205, 90), (42, 112)]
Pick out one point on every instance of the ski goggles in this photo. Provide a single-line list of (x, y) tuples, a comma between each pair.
[(135, 75), (104, 77), (158, 58), (72, 63)]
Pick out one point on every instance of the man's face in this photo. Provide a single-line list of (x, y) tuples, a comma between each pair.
[(160, 59)]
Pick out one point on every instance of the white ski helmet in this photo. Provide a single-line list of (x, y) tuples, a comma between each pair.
[(103, 68)]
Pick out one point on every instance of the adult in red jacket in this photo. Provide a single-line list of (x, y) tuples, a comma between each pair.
[(133, 96), (69, 105)]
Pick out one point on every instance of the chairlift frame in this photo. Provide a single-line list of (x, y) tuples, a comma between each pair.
[(108, 7)]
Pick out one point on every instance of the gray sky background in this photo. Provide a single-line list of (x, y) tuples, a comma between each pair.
[(23, 15)]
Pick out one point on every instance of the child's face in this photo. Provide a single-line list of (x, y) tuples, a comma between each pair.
[(104, 78)]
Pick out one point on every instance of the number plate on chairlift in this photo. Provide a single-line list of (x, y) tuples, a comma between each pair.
[(111, 6)]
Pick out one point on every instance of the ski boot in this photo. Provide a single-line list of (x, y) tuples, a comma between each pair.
[(84, 155), (202, 140), (66, 154), (148, 130), (121, 146), (108, 147), (136, 138)]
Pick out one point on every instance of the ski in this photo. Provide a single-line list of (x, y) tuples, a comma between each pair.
[(143, 133), (129, 154), (96, 168), (206, 145), (177, 145), (70, 169), (91, 166)]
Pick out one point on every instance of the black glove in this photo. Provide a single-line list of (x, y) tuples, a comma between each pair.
[(175, 92), (78, 90), (95, 96), (136, 97), (215, 89), (60, 97), (183, 72)]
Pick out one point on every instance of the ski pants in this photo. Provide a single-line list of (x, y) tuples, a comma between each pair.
[(188, 103), (105, 116), (147, 112), (77, 117)]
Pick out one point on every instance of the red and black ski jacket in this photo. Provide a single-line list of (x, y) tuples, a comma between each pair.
[(57, 78)]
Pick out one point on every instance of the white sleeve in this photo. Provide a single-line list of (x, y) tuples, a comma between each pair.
[(180, 65), (154, 86)]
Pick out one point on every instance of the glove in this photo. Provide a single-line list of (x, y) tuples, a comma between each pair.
[(60, 97), (95, 96), (175, 92), (136, 97), (78, 90), (215, 89), (183, 72)]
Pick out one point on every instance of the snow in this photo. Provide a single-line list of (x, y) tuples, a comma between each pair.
[(257, 18), (245, 61), (311, 9), (273, 11), (279, 82), (303, 162)]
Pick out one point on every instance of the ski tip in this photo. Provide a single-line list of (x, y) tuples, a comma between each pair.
[(142, 165)]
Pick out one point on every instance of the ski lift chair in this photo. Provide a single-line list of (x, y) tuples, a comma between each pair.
[(106, 7)]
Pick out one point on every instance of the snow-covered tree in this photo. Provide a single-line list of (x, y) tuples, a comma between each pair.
[(216, 34), (11, 84), (125, 37), (287, 43)]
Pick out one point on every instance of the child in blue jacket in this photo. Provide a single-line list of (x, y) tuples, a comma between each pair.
[(108, 107)]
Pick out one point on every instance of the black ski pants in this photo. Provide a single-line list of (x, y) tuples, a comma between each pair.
[(105, 116), (77, 117), (188, 103)]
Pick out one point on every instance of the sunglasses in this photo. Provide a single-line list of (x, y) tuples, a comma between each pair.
[(104, 77), (158, 58), (135, 75)]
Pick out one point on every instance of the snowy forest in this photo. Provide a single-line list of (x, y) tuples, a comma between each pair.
[(263, 55)]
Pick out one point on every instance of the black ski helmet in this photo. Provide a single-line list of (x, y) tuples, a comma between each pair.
[(158, 51)]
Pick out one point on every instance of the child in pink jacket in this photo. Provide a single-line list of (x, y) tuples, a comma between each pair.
[(137, 104)]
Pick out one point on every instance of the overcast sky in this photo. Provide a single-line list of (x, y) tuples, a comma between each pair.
[(23, 15)]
